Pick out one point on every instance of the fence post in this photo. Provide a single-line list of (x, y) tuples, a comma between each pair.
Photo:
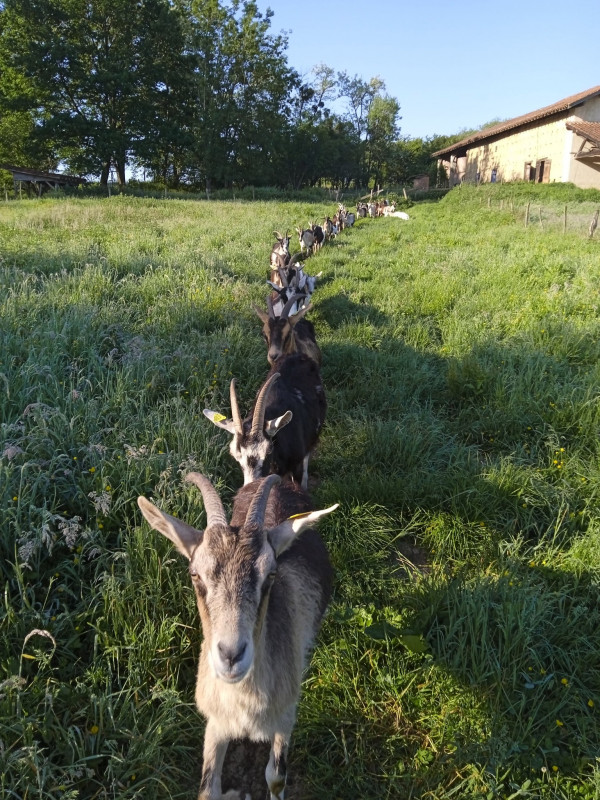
[(594, 223), (565, 220), (527, 214), (541, 223)]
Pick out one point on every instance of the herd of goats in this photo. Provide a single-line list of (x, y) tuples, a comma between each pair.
[(261, 588)]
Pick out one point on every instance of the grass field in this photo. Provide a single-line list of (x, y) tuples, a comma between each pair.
[(461, 654)]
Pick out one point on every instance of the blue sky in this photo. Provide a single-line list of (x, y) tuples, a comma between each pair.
[(451, 65)]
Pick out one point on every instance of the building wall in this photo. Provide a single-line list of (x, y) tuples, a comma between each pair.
[(585, 174), (508, 154)]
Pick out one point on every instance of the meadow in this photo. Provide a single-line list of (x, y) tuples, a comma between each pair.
[(460, 657)]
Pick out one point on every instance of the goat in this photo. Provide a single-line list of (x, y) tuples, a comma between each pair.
[(307, 239), (372, 210), (389, 210), (283, 427), (292, 281), (280, 252), (317, 232), (399, 215), (329, 229), (287, 333), (362, 209), (346, 218), (262, 584)]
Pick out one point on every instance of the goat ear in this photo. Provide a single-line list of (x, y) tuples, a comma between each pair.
[(299, 314), (273, 426), (264, 318), (284, 534), (184, 537), (219, 420)]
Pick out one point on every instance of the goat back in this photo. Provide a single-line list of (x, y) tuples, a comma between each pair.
[(306, 558)]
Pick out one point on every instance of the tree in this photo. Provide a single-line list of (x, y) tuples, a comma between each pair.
[(243, 90), (87, 64), (382, 131)]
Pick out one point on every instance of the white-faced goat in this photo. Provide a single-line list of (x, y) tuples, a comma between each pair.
[(280, 252), (288, 333), (307, 239), (294, 284), (262, 584), (283, 427), (347, 218)]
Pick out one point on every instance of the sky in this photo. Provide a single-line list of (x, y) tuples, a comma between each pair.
[(451, 65)]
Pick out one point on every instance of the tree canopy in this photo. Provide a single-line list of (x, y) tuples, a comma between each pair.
[(192, 91)]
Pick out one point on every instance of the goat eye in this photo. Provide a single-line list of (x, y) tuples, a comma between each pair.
[(194, 575)]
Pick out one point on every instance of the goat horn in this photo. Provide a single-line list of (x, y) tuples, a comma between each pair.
[(294, 258), (290, 303), (215, 513), (258, 418), (235, 409), (256, 513), (283, 277), (270, 308)]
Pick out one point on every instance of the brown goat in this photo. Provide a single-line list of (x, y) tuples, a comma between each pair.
[(286, 334)]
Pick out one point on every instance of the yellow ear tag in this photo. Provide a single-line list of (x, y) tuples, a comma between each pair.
[(218, 417), (299, 516)]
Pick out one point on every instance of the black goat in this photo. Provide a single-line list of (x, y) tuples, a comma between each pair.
[(284, 425)]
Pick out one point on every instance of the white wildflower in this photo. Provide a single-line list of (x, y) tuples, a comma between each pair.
[(70, 529), (101, 501)]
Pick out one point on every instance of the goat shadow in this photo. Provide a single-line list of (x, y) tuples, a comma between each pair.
[(338, 310)]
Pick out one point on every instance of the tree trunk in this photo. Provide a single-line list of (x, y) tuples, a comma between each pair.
[(105, 173), (121, 171)]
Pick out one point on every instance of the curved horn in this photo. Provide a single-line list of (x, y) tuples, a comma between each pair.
[(258, 418), (235, 409), (283, 277), (289, 305), (296, 257), (256, 513), (270, 308), (215, 513)]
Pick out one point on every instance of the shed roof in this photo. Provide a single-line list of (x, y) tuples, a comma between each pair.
[(562, 105), (589, 130), (38, 175)]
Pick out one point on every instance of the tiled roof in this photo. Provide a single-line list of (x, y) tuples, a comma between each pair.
[(36, 174), (533, 116), (589, 130)]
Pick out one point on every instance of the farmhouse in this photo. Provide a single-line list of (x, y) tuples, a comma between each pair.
[(558, 143)]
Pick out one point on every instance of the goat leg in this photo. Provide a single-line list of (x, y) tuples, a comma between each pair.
[(304, 482), (215, 748), (277, 767)]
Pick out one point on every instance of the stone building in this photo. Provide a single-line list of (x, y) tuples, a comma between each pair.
[(558, 143)]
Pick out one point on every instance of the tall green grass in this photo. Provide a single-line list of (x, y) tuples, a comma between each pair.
[(460, 657)]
